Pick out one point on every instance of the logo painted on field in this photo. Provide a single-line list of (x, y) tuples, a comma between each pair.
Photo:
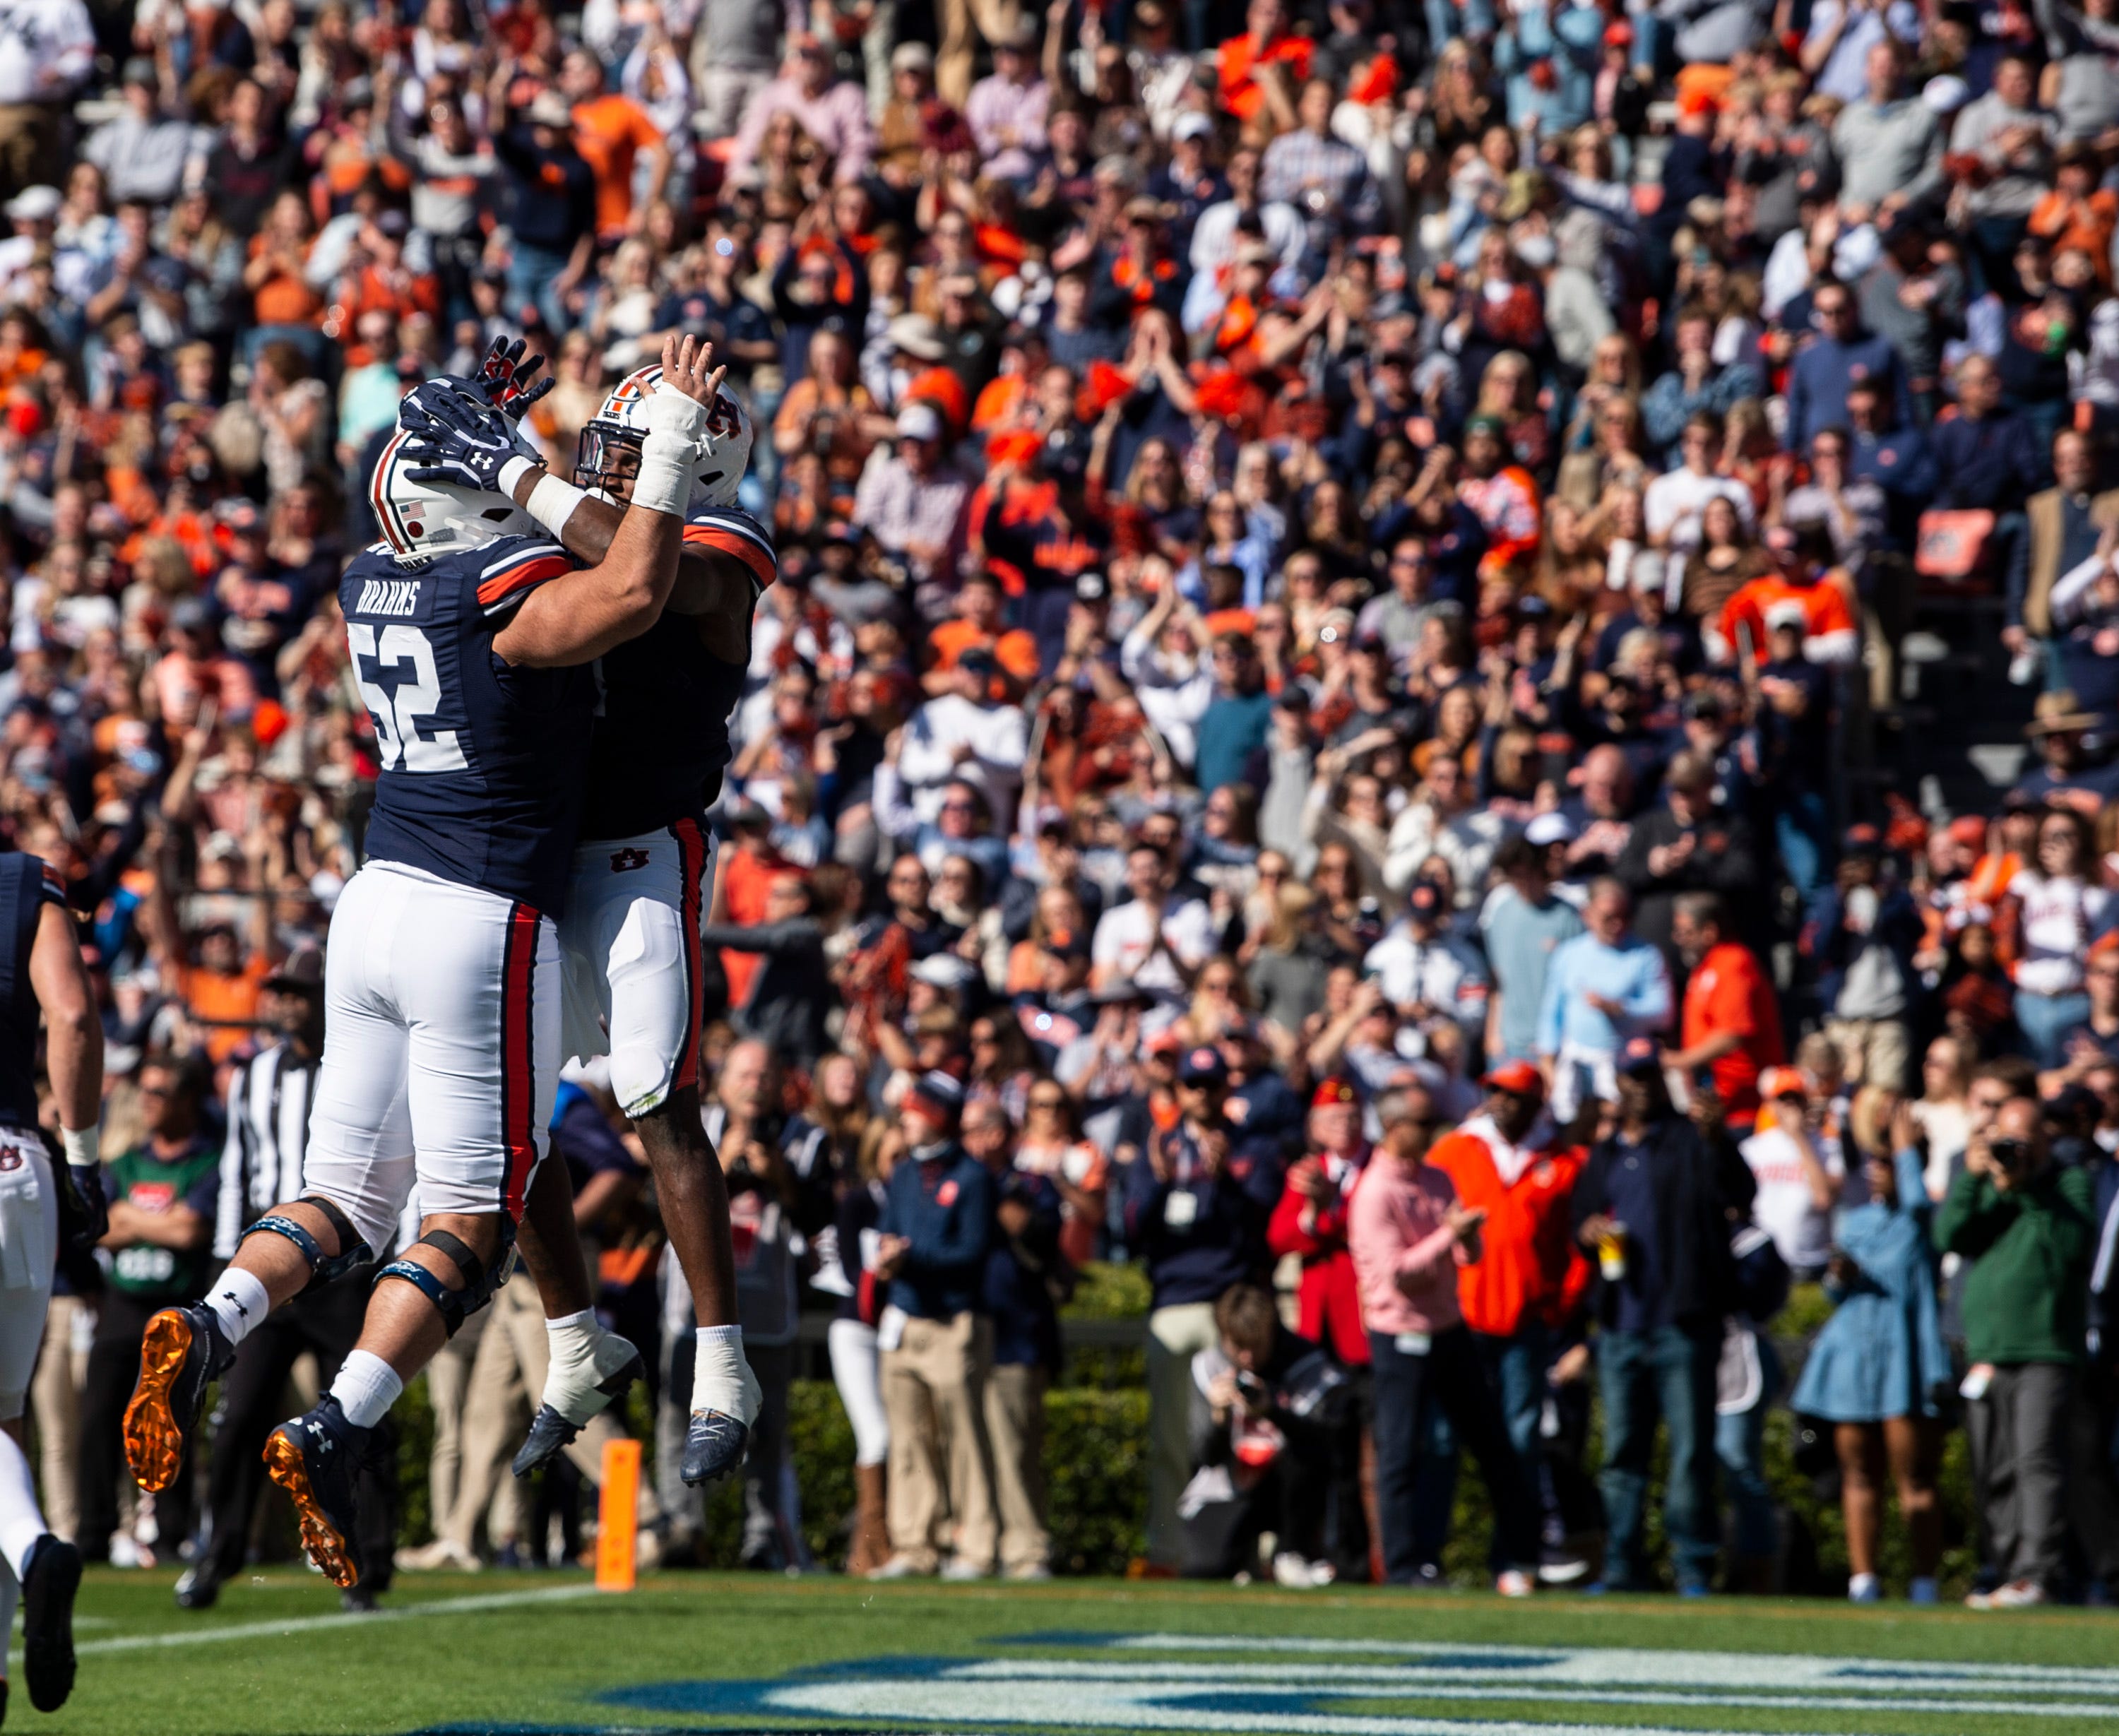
[(1359, 1688)]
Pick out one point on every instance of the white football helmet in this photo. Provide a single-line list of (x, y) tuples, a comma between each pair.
[(609, 451), (421, 520)]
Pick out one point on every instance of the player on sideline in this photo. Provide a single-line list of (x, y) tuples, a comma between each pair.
[(41, 967), (471, 634), (641, 875)]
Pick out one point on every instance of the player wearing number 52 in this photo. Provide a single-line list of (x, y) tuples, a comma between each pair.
[(471, 631), (163, 1195)]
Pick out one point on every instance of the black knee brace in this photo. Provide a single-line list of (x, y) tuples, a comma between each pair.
[(352, 1251), (480, 1281)]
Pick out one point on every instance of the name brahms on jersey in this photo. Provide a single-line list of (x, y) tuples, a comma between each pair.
[(388, 597)]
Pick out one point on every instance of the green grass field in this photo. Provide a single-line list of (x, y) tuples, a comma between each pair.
[(545, 1653)]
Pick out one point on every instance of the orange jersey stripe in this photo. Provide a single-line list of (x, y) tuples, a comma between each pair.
[(742, 548), (532, 572)]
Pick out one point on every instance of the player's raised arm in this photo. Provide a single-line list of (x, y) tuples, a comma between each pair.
[(727, 558), (578, 615)]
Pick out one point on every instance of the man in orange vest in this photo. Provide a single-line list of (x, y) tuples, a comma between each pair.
[(1532, 1277)]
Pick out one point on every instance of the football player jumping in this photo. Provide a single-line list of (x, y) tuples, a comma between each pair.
[(471, 632)]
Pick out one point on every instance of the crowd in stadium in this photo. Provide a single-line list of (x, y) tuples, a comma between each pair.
[(1338, 567)]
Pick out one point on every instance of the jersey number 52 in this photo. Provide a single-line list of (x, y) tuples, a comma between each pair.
[(397, 717)]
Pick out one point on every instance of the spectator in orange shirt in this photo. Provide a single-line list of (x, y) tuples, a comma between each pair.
[(195, 670), (742, 888), (1802, 594), (377, 279), (830, 412), (2078, 213), (978, 625), (612, 133), (1530, 1276), (220, 979), (1731, 1024), (275, 274), (1263, 69)]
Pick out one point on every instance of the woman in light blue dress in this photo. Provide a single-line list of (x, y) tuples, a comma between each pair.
[(1876, 1368)]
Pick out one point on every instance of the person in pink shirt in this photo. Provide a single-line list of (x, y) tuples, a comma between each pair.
[(1408, 1235), (832, 111)]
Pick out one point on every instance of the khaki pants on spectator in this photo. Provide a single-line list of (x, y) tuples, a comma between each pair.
[(506, 1378), (1015, 1426), (941, 1479), (1175, 1334), (962, 23), (448, 1385), (1876, 1051), (55, 1402)]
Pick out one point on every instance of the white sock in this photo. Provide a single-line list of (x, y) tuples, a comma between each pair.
[(720, 1375), (573, 1337), (21, 1520), (11, 1591), (239, 1301), (367, 1387)]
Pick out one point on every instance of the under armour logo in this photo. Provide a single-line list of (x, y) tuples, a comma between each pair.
[(625, 861), (239, 1308)]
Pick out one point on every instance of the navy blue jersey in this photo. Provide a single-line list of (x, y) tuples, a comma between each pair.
[(662, 723), (26, 886), (482, 763)]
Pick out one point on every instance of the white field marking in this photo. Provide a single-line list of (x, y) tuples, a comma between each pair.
[(1142, 1706), (1415, 1684), (325, 1623), (1592, 1664)]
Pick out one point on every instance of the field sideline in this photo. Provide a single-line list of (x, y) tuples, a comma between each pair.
[(544, 1652)]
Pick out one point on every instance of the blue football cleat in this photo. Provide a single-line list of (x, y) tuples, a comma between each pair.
[(552, 1427), (314, 1459), (715, 1446), (50, 1577), (183, 1352)]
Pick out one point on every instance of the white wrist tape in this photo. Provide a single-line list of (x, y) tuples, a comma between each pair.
[(83, 1146), (663, 484), (667, 411), (552, 502), (513, 471), (675, 442)]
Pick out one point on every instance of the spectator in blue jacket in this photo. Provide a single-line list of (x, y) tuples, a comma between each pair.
[(1987, 458), (1196, 1206), (1653, 1206), (1025, 1273), (937, 1341), (1842, 352)]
